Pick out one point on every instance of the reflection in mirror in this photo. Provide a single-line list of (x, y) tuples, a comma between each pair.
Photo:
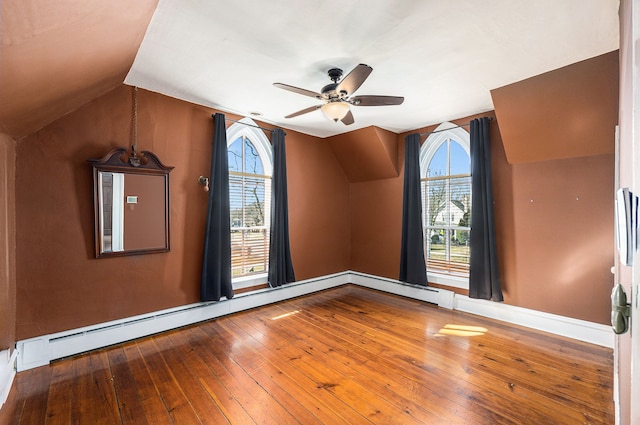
[(131, 204), (111, 186)]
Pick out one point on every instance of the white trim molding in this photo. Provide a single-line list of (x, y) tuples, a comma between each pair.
[(445, 131), (244, 282), (581, 330), (440, 297), (7, 373), (448, 280), (40, 351), (248, 128)]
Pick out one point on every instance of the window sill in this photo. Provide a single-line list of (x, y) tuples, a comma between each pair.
[(448, 280), (249, 281)]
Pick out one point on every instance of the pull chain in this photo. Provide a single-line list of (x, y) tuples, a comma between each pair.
[(133, 135)]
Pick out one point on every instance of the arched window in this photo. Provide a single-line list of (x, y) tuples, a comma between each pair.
[(445, 171), (250, 169)]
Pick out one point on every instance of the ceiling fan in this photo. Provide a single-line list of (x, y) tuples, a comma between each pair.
[(337, 96)]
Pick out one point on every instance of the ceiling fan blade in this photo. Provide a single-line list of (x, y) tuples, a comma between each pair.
[(354, 79), (376, 100), (298, 90), (304, 111), (348, 119)]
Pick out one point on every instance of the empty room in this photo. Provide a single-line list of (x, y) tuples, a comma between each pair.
[(333, 212)]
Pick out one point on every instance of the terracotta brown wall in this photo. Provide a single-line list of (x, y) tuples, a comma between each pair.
[(376, 226), (565, 113), (60, 285), (558, 130), (371, 158), (7, 243), (563, 236), (318, 208), (554, 253)]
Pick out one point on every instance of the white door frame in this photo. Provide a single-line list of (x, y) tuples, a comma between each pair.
[(627, 346), (635, 282)]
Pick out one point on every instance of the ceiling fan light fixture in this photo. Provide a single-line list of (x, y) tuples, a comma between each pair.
[(337, 96), (335, 111)]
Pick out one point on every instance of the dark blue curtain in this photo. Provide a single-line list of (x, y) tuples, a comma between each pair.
[(280, 265), (216, 264), (412, 264), (484, 278)]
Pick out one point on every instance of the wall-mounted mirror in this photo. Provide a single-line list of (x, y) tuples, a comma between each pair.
[(131, 202)]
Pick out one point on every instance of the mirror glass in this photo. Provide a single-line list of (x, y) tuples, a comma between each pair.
[(131, 204)]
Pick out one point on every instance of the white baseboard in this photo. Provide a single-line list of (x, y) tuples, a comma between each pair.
[(582, 330), (440, 297), (39, 351), (7, 373)]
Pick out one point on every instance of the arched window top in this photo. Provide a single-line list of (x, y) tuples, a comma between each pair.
[(445, 181), (243, 128), (250, 156), (432, 147)]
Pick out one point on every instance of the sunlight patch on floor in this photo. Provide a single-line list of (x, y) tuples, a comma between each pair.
[(282, 316), (461, 330)]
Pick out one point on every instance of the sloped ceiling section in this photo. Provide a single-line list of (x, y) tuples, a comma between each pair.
[(57, 55), (443, 57), (367, 154), (567, 113)]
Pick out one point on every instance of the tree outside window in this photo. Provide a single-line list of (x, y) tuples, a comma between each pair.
[(249, 193), (446, 197)]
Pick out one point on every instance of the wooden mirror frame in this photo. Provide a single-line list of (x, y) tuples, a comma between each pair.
[(147, 164)]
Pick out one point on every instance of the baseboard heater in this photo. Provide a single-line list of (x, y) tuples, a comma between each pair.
[(40, 351)]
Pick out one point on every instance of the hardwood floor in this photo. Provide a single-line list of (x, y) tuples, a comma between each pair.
[(344, 356)]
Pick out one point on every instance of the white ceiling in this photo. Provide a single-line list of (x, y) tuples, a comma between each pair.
[(443, 56)]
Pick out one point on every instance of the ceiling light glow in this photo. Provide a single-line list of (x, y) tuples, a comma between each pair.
[(335, 111)]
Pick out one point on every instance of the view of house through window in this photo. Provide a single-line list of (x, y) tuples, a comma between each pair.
[(250, 206), (446, 202)]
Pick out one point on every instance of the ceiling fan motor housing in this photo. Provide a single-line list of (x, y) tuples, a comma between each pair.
[(329, 91), (335, 74)]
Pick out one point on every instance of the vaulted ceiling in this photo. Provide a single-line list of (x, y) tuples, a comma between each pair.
[(443, 57), (57, 55)]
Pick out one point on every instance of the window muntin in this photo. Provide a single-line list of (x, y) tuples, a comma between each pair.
[(249, 196), (250, 168), (446, 196)]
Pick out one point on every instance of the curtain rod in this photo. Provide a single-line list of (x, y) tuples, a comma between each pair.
[(250, 125), (445, 129)]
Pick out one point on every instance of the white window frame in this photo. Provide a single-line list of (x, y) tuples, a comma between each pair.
[(445, 131), (246, 127)]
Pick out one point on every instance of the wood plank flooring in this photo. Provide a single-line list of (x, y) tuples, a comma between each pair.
[(343, 356)]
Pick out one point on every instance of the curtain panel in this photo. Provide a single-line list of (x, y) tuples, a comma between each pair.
[(484, 277), (280, 264), (216, 264), (413, 268)]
